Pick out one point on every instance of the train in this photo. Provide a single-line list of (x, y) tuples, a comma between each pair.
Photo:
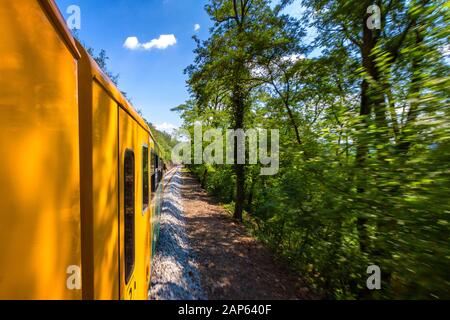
[(81, 173)]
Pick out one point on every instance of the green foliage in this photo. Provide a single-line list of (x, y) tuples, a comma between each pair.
[(165, 141), (365, 143)]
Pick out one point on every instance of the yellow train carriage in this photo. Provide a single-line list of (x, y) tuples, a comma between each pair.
[(39, 141), (76, 175), (115, 149)]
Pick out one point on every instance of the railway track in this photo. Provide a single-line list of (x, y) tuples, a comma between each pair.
[(175, 273)]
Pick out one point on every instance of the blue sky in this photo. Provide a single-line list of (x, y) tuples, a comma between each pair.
[(151, 68)]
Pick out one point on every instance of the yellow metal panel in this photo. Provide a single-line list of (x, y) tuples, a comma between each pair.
[(98, 127), (142, 247), (147, 214), (105, 195), (140, 221), (39, 166), (127, 141), (133, 137)]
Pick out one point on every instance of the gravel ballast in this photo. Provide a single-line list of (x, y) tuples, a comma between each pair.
[(175, 274)]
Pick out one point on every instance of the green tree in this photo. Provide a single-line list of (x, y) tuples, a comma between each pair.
[(223, 70), (364, 146)]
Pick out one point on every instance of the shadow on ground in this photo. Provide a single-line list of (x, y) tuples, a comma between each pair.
[(232, 264)]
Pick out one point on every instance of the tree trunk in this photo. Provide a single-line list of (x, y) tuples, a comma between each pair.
[(250, 195), (414, 95), (361, 155), (294, 123), (239, 113), (240, 192), (370, 101), (205, 175)]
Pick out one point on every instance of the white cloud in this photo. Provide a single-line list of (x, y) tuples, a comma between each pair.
[(163, 42), (197, 27), (166, 127), (132, 43)]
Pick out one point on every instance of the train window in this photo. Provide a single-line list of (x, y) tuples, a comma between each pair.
[(160, 166), (157, 170), (129, 210), (145, 175), (153, 173)]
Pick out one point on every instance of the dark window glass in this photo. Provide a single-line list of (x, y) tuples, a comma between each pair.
[(157, 171), (145, 182), (129, 176), (153, 173)]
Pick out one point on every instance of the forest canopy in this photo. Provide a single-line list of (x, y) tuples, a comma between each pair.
[(364, 126)]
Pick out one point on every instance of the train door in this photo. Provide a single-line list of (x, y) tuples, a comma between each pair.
[(156, 198), (142, 247), (146, 205), (127, 203), (134, 208)]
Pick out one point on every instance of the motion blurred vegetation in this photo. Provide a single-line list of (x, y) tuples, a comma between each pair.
[(365, 137), (165, 141)]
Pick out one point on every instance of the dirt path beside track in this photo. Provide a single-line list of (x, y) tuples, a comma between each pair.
[(232, 264), (204, 254)]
